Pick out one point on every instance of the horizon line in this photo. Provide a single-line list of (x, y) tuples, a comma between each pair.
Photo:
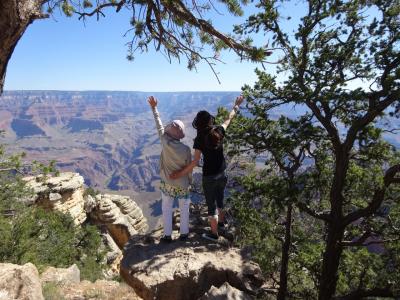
[(127, 91)]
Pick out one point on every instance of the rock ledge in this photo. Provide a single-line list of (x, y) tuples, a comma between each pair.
[(186, 270)]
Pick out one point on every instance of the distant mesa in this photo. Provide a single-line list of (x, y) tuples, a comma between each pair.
[(78, 124), (25, 128)]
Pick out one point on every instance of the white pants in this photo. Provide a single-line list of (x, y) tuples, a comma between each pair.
[(167, 203)]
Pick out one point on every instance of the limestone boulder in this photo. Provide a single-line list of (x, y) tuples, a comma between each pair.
[(61, 276), (63, 193), (184, 270), (20, 282), (100, 290), (225, 292), (113, 256), (121, 215)]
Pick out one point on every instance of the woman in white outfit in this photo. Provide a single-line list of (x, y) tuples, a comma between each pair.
[(174, 156)]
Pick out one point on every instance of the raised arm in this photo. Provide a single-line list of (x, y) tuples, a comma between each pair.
[(233, 112), (153, 104), (189, 168)]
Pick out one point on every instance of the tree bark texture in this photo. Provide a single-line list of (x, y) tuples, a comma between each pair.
[(331, 261), (333, 248), (15, 17), (283, 278)]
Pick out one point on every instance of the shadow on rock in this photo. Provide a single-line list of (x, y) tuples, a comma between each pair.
[(186, 269)]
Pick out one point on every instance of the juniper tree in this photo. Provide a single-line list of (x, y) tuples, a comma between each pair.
[(272, 195), (177, 28), (341, 69)]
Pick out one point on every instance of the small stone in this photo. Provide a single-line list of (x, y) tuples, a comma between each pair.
[(55, 197), (62, 276), (225, 292)]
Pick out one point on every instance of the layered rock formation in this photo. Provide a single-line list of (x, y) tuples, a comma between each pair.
[(20, 282), (63, 193), (122, 217), (108, 137), (188, 269), (184, 270), (66, 193), (118, 216)]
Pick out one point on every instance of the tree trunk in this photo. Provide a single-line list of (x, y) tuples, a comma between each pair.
[(331, 260), (15, 16), (333, 248), (282, 292)]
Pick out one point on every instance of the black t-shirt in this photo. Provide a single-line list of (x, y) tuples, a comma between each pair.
[(214, 160)]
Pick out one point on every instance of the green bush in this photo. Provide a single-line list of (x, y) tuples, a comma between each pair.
[(90, 191), (51, 291), (50, 238), (42, 237)]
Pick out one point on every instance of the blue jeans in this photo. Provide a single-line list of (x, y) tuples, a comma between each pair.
[(214, 187)]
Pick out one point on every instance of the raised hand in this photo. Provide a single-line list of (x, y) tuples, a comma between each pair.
[(239, 100), (152, 101)]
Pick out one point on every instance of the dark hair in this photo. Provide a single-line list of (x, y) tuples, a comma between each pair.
[(203, 120), (214, 138)]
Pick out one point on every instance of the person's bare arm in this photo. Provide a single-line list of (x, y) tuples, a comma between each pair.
[(153, 104), (189, 160), (189, 168), (233, 112)]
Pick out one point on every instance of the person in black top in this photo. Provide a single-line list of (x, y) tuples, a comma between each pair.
[(214, 160), (209, 142)]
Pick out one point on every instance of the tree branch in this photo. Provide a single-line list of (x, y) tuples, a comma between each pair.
[(373, 112), (318, 215), (179, 9), (98, 9), (11, 169), (389, 178)]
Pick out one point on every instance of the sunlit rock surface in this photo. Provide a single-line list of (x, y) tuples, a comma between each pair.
[(63, 193), (225, 292), (121, 215), (20, 282), (61, 276), (187, 269)]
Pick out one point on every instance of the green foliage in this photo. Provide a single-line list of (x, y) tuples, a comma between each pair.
[(49, 238), (234, 6), (90, 252), (259, 209), (51, 291), (68, 9), (329, 160), (177, 28), (87, 4), (89, 191), (12, 187), (42, 237)]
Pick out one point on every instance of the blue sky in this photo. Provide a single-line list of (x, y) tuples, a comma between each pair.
[(63, 53)]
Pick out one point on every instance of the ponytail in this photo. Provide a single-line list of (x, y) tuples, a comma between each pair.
[(214, 139)]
